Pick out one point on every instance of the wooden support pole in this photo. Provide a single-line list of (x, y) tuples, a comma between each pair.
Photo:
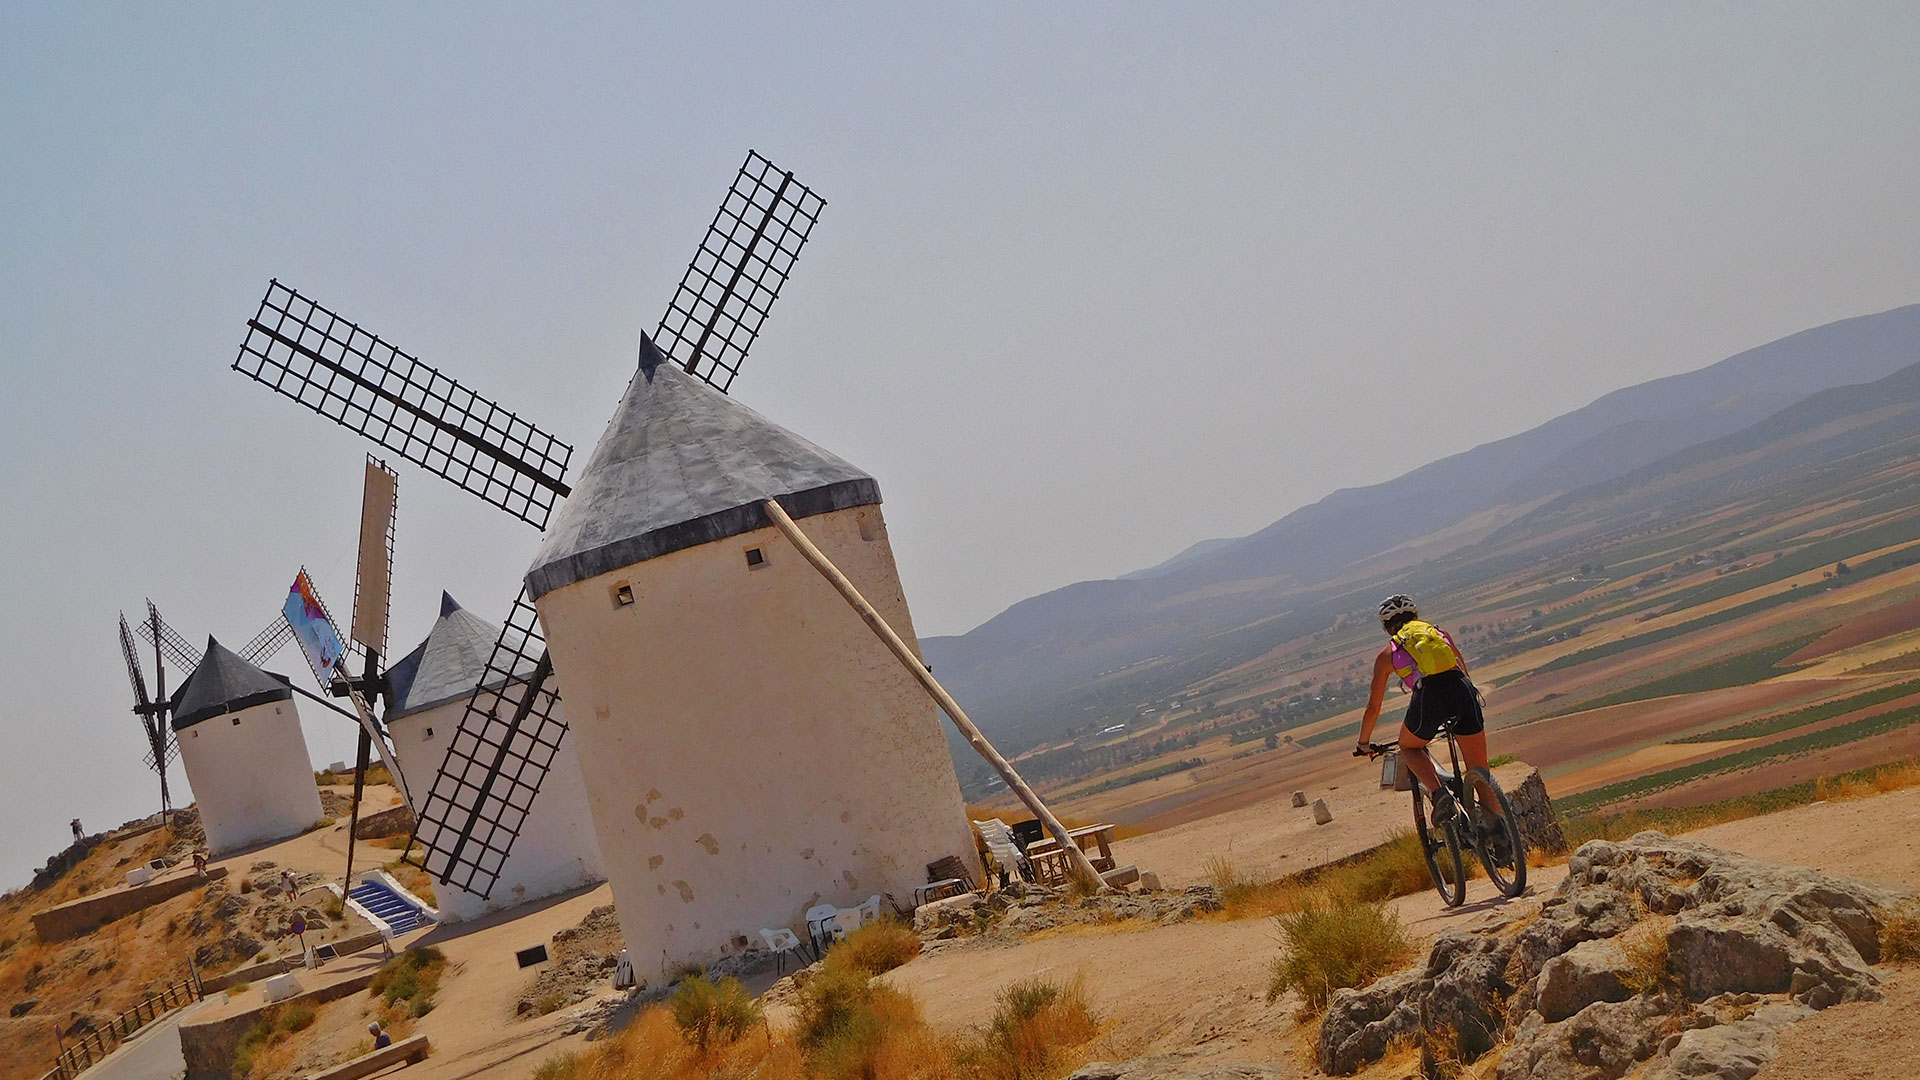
[(1077, 864)]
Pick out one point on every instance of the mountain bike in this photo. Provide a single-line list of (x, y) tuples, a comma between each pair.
[(1494, 834)]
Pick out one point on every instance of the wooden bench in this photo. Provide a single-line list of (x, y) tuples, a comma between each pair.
[(409, 1050)]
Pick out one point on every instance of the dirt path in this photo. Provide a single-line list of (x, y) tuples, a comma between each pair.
[(1273, 838)]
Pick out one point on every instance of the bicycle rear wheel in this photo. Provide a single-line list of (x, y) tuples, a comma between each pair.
[(1441, 847), (1496, 839)]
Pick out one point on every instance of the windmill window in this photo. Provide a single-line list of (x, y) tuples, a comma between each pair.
[(236, 721), (622, 593), (869, 527), (756, 558), (429, 733)]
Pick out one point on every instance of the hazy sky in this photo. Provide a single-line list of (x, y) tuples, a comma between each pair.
[(1094, 281)]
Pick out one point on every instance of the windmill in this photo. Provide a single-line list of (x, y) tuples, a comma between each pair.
[(161, 749), (683, 483), (495, 765)]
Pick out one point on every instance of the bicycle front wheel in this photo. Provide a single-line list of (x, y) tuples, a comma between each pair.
[(1441, 847), (1496, 837)]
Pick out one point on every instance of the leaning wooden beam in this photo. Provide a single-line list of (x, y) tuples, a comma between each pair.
[(1077, 864)]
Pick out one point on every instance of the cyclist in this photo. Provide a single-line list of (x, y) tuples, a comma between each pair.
[(1429, 664)]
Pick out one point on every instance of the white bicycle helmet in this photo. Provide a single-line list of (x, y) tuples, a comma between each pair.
[(1395, 606)]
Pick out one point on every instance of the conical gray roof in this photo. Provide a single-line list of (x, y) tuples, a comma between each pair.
[(680, 465), (224, 683), (446, 666)]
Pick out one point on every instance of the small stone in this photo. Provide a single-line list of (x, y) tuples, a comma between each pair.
[(1150, 882), (1299, 798), (1321, 815)]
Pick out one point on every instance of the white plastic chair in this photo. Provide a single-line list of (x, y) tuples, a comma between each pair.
[(821, 920), (780, 942), (870, 910), (1006, 854)]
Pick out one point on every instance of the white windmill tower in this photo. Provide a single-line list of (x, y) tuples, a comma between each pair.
[(675, 551), (428, 690), (244, 753)]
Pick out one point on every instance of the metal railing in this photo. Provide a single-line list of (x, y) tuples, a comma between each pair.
[(103, 1040)]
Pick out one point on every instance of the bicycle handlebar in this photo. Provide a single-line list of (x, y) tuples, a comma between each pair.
[(1374, 750)]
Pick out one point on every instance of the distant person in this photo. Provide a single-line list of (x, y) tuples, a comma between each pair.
[(1429, 665), (381, 1040), (288, 882), (200, 863), (78, 832)]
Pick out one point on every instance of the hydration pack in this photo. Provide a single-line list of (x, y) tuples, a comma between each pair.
[(1432, 653)]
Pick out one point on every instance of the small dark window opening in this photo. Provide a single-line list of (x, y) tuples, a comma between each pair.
[(530, 957), (429, 733), (755, 558), (236, 721), (622, 595)]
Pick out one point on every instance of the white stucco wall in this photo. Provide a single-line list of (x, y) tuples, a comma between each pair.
[(749, 747), (556, 849), (251, 776)]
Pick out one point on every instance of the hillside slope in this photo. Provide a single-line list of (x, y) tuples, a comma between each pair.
[(1026, 673)]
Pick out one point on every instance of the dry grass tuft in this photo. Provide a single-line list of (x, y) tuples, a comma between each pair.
[(1645, 947), (875, 948), (1040, 1030), (1333, 942), (1900, 934), (1894, 777), (711, 1014)]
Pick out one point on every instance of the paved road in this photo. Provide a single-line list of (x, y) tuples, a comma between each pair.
[(152, 1054)]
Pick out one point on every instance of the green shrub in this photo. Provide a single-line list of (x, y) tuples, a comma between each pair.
[(410, 979), (711, 1014), (1333, 942)]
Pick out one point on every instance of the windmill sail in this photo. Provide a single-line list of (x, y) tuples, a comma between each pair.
[(495, 762), (738, 270), (302, 350), (374, 577)]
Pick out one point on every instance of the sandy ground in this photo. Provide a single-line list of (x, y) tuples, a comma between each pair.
[(473, 1028), (1867, 1040)]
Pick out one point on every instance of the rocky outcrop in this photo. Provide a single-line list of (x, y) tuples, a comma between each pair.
[(1654, 954), (1177, 1067), (1022, 908)]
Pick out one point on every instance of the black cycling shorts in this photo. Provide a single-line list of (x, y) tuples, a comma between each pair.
[(1440, 698)]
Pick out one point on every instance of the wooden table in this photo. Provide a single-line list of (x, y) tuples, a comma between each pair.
[(1049, 859)]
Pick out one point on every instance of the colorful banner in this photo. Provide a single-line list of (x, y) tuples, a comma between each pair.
[(314, 630)]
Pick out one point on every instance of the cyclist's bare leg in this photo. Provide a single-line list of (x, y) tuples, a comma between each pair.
[(1474, 749), (1413, 751)]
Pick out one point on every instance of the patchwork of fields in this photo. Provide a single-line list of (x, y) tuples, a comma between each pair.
[(1640, 657)]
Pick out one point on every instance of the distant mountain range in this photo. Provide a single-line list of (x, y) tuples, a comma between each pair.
[(1048, 662)]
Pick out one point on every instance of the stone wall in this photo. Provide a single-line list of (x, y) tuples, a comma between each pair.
[(385, 823), (89, 913), (254, 972), (208, 1047)]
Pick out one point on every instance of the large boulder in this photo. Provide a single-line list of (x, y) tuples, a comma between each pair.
[(1723, 950), (1591, 971)]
